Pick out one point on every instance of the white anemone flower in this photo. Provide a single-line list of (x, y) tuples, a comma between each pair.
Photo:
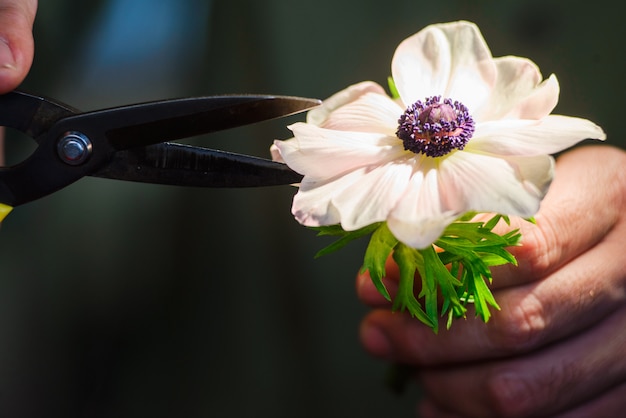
[(468, 133)]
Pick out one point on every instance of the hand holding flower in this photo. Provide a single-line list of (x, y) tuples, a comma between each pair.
[(557, 345), (462, 133)]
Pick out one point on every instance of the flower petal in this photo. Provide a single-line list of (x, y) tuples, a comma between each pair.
[(449, 59), (484, 183), (275, 152), (419, 218), (357, 172), (549, 135), (323, 153), (371, 198), (519, 92), (536, 173), (312, 205), (318, 115), (360, 198), (371, 112)]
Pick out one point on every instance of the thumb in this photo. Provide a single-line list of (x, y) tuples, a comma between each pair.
[(16, 41)]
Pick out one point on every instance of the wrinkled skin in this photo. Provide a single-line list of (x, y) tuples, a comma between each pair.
[(557, 346)]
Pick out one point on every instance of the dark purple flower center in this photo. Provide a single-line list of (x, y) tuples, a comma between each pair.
[(435, 127)]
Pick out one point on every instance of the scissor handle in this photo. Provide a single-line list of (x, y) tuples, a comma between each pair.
[(44, 172), (30, 114)]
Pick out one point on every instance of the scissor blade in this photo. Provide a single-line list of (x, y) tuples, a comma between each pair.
[(150, 123), (185, 165)]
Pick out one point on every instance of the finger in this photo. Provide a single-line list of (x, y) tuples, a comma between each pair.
[(610, 404), (579, 209), (542, 383), (16, 41)]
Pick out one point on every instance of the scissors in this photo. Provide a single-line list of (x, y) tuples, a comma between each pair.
[(132, 143)]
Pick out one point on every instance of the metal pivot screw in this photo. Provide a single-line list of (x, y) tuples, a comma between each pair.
[(74, 148)]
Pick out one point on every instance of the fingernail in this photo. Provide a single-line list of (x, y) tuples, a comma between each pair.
[(375, 340), (6, 55)]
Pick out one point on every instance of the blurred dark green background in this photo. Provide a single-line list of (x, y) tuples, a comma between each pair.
[(133, 300)]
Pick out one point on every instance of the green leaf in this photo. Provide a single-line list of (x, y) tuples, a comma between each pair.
[(378, 250), (346, 237), (468, 216), (482, 296), (454, 275), (332, 230), (471, 248), (494, 221), (446, 281), (429, 291), (408, 260), (496, 256)]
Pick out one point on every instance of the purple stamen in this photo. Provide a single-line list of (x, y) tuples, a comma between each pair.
[(435, 128)]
